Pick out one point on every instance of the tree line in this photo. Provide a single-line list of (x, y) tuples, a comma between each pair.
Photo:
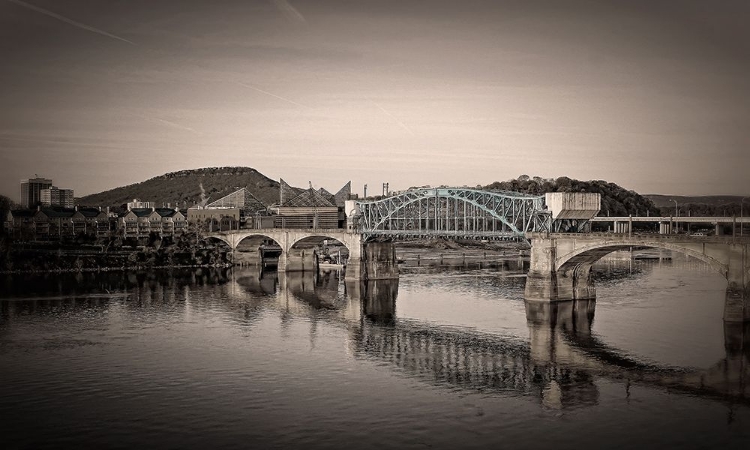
[(616, 200)]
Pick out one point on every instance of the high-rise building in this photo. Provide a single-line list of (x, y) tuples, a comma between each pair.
[(54, 196), (31, 191)]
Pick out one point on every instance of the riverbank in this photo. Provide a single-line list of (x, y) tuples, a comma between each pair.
[(25, 260), (18, 261)]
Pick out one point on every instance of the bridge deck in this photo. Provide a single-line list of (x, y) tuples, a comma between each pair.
[(726, 239), (691, 219)]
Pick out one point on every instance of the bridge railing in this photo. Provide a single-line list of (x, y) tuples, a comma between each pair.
[(277, 230), (647, 236), (416, 234)]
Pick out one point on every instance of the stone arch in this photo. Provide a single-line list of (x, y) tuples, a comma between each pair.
[(303, 253), (317, 239), (587, 255), (221, 239), (258, 249)]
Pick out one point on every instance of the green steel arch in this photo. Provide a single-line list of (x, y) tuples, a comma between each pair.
[(453, 212)]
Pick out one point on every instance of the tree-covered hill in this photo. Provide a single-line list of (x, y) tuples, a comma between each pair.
[(616, 201), (183, 188)]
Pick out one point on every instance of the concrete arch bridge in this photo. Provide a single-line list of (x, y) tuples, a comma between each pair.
[(297, 247), (560, 267)]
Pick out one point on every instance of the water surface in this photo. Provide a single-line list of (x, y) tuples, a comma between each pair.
[(447, 357)]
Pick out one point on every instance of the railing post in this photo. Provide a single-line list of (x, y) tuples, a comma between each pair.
[(630, 226)]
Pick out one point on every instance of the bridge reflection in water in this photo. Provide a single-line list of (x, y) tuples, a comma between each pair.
[(558, 365)]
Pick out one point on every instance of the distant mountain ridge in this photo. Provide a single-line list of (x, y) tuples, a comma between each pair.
[(701, 205), (186, 188), (661, 200)]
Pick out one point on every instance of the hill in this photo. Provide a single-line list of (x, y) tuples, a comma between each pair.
[(708, 205), (616, 201), (186, 188)]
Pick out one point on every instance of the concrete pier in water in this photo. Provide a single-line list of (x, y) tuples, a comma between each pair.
[(560, 266)]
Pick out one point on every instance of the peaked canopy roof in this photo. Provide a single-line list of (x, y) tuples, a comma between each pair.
[(291, 197), (242, 199)]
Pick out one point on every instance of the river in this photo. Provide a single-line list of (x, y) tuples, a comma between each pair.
[(450, 356)]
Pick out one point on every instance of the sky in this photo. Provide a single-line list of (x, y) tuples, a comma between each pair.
[(652, 95)]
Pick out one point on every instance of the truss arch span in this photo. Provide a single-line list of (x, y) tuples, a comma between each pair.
[(453, 211)]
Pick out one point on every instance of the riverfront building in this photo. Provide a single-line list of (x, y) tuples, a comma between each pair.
[(31, 191)]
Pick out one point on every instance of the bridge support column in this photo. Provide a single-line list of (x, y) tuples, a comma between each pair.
[(545, 283), (737, 304), (299, 260), (541, 281), (377, 261), (248, 257)]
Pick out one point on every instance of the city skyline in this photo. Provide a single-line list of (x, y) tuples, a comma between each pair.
[(647, 95)]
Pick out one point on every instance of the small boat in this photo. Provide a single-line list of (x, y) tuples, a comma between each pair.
[(330, 266), (331, 262)]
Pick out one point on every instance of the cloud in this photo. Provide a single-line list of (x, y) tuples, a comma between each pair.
[(289, 11), (68, 21), (166, 122), (271, 94), (395, 119)]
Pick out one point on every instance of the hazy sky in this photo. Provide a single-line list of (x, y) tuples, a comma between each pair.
[(653, 95)]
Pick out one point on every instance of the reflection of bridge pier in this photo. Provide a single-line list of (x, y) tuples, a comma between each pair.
[(560, 266), (376, 297), (735, 369), (550, 322), (559, 365)]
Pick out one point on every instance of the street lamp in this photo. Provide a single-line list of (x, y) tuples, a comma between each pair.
[(742, 221), (677, 214)]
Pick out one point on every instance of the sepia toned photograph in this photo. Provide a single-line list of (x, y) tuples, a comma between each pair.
[(375, 224)]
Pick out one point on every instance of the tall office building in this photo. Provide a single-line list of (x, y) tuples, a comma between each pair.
[(31, 191), (54, 196)]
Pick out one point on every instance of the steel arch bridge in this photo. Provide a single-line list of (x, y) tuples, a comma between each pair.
[(454, 213)]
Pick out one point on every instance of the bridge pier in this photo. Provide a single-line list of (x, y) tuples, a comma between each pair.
[(737, 303), (545, 283), (376, 261), (298, 260), (560, 266)]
